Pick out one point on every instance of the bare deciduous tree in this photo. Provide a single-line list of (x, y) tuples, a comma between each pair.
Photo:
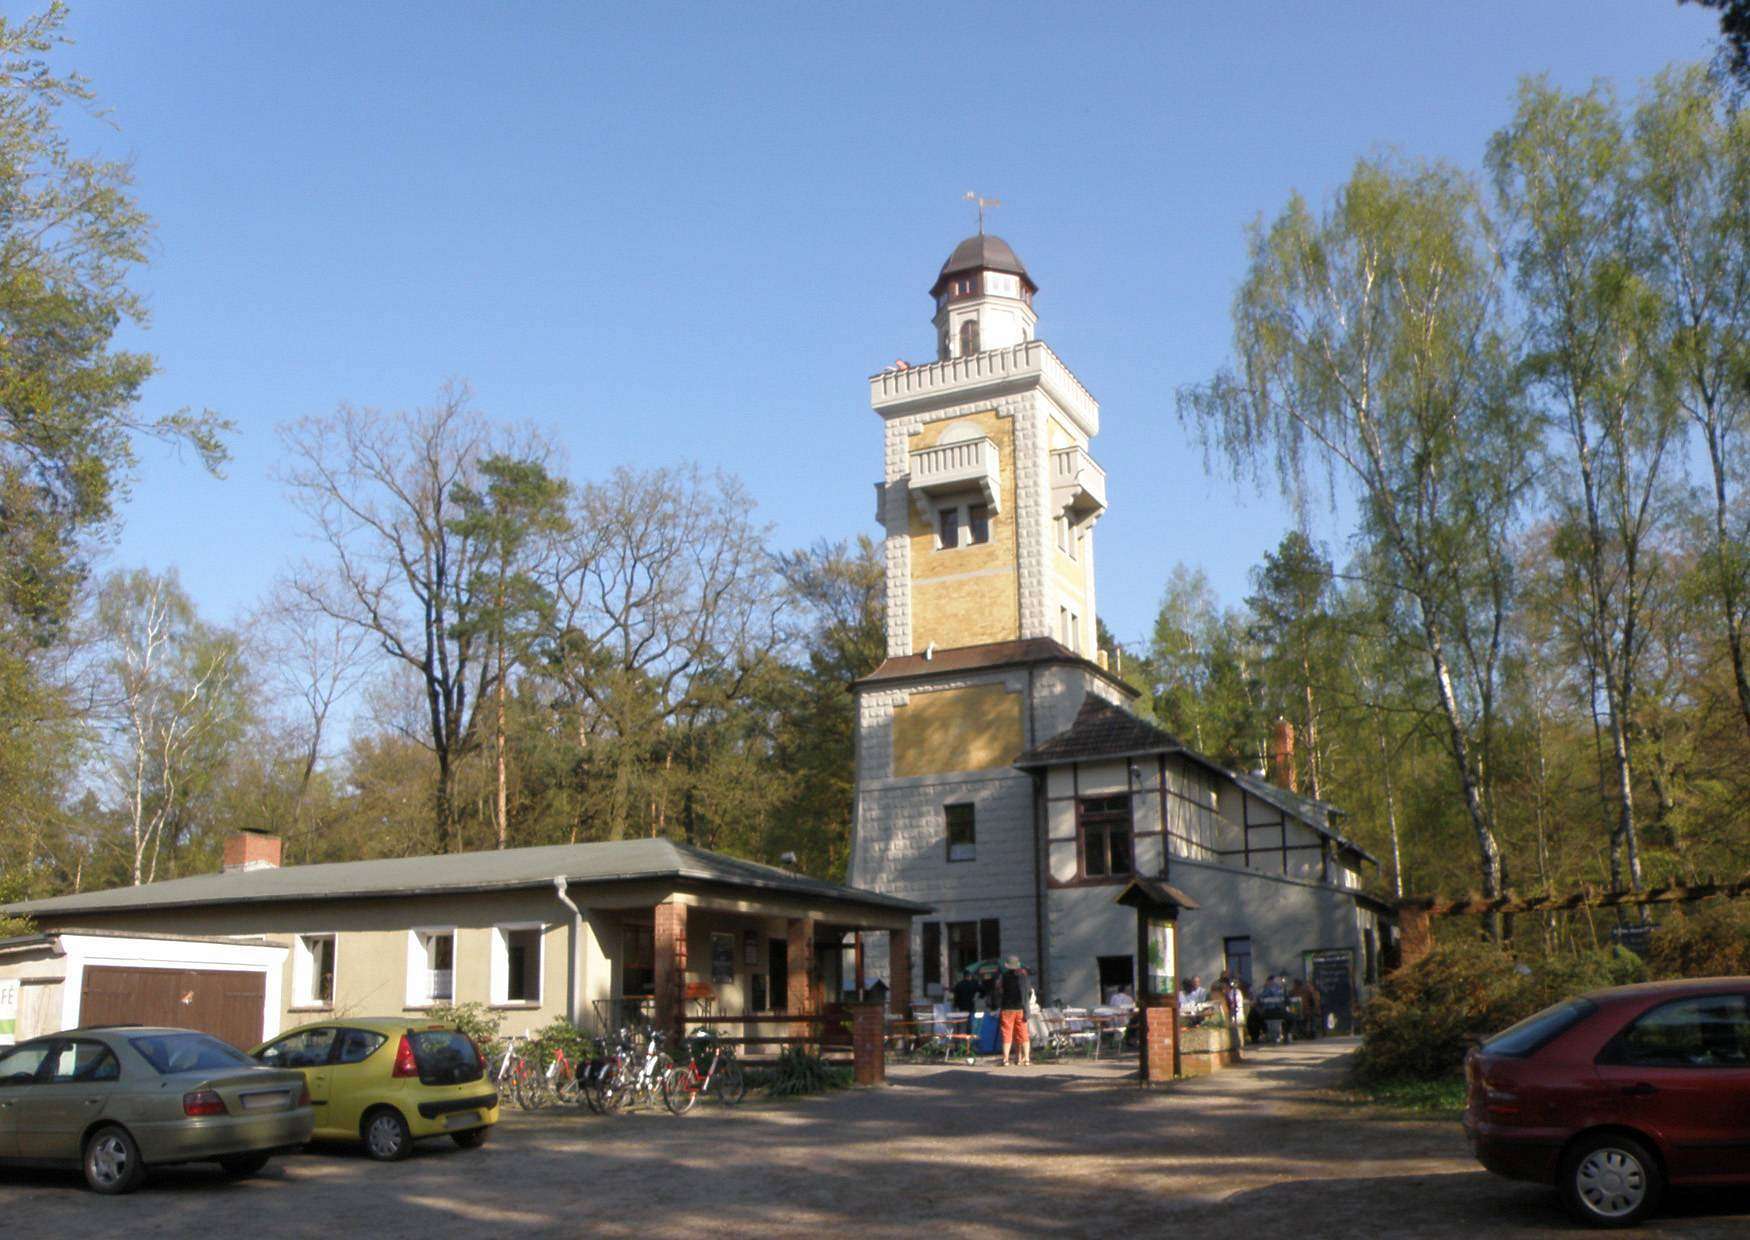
[(379, 491), (666, 601)]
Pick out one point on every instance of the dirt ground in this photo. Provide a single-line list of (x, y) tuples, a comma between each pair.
[(1072, 1150)]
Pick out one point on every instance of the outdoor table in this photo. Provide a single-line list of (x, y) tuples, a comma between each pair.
[(1110, 1023), (1081, 1027)]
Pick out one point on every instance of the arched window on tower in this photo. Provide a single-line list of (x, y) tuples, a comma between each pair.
[(969, 338)]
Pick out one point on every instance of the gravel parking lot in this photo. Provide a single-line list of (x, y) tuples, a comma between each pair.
[(1071, 1150)]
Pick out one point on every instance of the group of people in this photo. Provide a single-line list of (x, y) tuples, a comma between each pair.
[(1281, 1009), (1009, 992)]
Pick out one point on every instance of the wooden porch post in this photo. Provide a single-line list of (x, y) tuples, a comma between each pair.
[(801, 1000), (899, 972)]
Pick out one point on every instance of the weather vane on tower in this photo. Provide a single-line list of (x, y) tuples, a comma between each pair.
[(971, 195)]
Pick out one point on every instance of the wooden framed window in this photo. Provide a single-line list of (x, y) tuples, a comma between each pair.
[(969, 942), (962, 947), (962, 821), (969, 338), (978, 522), (1103, 836)]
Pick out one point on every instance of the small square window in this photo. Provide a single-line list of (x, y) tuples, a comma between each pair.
[(962, 831), (978, 522), (431, 967), (313, 971)]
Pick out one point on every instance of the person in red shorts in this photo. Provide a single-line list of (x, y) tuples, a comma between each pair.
[(1012, 991)]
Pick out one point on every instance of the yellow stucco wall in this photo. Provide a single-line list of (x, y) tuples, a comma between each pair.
[(966, 596), (371, 937), (972, 728)]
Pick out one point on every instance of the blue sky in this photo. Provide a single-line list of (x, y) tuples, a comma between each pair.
[(671, 232)]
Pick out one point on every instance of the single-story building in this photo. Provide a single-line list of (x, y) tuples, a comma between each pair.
[(582, 931)]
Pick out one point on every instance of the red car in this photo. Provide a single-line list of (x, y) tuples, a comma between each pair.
[(1612, 1096)]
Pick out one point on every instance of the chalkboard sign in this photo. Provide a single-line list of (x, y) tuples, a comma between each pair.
[(722, 958)]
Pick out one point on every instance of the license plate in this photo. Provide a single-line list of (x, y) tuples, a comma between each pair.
[(266, 1101), (461, 1119)]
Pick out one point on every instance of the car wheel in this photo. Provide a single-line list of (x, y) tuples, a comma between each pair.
[(1611, 1180), (473, 1139), (387, 1137), (112, 1162), (244, 1164)]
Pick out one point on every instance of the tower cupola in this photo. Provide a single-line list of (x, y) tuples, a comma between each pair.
[(984, 299)]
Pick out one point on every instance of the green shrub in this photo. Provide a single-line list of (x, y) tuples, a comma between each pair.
[(478, 1021), (1421, 1019), (800, 1071), (560, 1034), (1707, 940)]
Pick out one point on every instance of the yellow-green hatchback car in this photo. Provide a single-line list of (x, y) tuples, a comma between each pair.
[(389, 1081)]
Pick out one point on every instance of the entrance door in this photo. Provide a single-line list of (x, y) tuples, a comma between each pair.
[(778, 965), (1333, 976), (225, 1003)]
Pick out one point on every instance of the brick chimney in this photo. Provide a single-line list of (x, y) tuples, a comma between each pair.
[(1282, 755), (252, 850)]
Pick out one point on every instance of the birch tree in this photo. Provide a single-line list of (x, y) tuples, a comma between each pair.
[(1592, 321), (170, 677), (1367, 358)]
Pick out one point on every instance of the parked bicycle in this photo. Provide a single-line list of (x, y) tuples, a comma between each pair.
[(721, 1076), (517, 1076), (631, 1074)]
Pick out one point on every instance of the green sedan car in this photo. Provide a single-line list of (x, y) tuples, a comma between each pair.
[(118, 1099)]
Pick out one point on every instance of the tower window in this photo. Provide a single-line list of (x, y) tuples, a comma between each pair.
[(962, 831), (948, 529), (966, 286), (978, 522), (969, 337)]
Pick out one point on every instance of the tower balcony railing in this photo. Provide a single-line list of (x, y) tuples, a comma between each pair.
[(1013, 367), (957, 466), (1078, 485)]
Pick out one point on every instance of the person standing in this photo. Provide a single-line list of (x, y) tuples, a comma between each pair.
[(966, 992), (1013, 988)]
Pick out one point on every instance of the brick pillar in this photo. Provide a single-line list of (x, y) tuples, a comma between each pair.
[(1415, 934), (670, 942), (802, 1000), (868, 1043), (1160, 1043), (899, 972)]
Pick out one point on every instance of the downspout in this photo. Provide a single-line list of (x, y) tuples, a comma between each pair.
[(1039, 826), (561, 889)]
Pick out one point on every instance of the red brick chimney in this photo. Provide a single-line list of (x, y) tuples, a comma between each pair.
[(252, 850), (1282, 755)]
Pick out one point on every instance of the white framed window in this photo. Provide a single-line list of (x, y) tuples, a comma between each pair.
[(431, 966), (517, 963), (962, 525), (313, 970), (1071, 624)]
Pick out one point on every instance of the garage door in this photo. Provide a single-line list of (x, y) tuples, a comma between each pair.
[(221, 1002)]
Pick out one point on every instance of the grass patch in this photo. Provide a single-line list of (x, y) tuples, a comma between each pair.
[(1441, 1097)]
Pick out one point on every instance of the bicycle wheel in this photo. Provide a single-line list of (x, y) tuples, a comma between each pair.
[(680, 1089), (568, 1089), (616, 1088), (531, 1087), (729, 1083)]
